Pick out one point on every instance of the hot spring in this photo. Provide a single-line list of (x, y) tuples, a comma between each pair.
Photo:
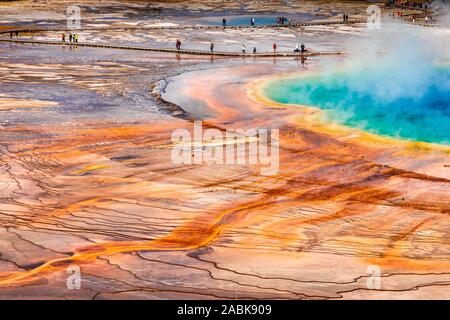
[(412, 106)]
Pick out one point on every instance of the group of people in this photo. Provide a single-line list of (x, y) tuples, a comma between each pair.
[(302, 48), (73, 38), (426, 19), (345, 17), (280, 20), (298, 48), (244, 49), (283, 20), (398, 14), (12, 33)]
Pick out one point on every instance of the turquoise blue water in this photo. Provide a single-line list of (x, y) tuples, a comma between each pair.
[(413, 106)]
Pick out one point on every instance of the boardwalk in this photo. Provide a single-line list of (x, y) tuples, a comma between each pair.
[(182, 51), (186, 27)]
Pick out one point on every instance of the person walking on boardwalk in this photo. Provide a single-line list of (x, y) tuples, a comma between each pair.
[(274, 46), (224, 22), (178, 44), (63, 37), (254, 50), (303, 50), (11, 35), (345, 18), (75, 37), (70, 37), (252, 21), (243, 48), (17, 34), (297, 50), (211, 47)]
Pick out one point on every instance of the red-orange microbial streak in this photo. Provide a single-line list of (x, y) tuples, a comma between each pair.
[(196, 234)]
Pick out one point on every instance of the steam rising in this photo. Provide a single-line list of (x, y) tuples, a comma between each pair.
[(395, 82), (398, 60)]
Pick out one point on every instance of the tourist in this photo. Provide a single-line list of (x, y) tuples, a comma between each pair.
[(178, 44), (254, 49), (252, 21), (274, 46), (211, 47), (10, 35), (243, 48), (297, 50), (283, 20), (75, 38), (70, 37), (63, 37), (17, 34), (426, 19), (224, 22), (289, 22), (303, 50)]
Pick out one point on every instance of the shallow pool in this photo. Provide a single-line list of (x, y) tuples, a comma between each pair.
[(244, 20)]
